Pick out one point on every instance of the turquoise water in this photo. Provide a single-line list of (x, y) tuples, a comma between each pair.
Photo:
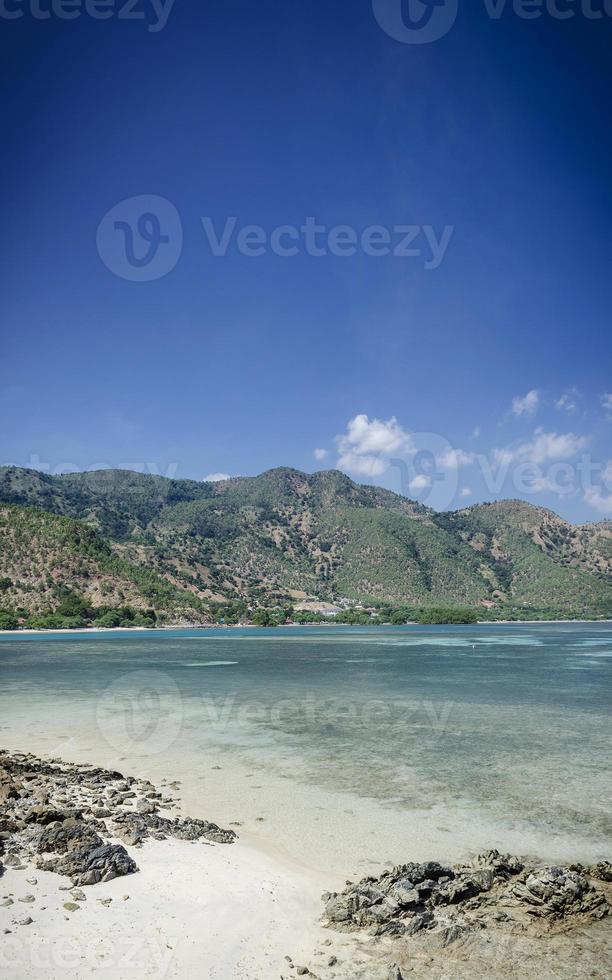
[(512, 720)]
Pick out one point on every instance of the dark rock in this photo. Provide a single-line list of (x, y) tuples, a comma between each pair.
[(100, 864), (448, 901), (418, 922), (68, 836), (396, 927), (502, 865), (458, 890), (146, 806), (43, 814), (602, 871)]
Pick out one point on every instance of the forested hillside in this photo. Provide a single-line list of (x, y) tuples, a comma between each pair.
[(182, 550)]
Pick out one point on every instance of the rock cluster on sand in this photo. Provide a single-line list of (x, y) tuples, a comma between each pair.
[(495, 888), (60, 817)]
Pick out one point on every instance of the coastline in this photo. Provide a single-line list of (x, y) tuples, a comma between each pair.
[(281, 626), (221, 909), (204, 909), (321, 834)]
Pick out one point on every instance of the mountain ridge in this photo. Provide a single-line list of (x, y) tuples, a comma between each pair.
[(288, 537)]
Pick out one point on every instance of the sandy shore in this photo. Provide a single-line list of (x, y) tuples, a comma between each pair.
[(194, 910), (233, 911), (324, 835), (240, 626)]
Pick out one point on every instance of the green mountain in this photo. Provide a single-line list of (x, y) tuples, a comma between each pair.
[(46, 561), (183, 547)]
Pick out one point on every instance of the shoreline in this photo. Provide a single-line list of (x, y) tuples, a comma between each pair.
[(322, 834), (213, 907), (192, 907), (241, 626)]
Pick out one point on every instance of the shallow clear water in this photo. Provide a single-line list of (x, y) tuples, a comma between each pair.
[(509, 720)]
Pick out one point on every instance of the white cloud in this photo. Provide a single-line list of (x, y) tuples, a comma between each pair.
[(216, 477), (606, 401), (544, 447), (367, 444), (320, 454), (465, 492), (527, 405), (607, 474), (420, 482), (596, 499), (365, 465), (476, 433), (568, 402), (452, 459)]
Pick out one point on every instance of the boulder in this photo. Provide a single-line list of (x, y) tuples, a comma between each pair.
[(88, 866)]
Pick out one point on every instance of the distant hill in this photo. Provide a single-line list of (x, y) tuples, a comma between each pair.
[(46, 559), (185, 547)]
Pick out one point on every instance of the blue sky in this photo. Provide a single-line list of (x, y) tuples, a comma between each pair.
[(476, 368)]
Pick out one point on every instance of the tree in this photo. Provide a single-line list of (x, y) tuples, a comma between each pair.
[(262, 617), (442, 616), (8, 620)]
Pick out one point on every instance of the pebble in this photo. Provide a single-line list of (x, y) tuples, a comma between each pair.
[(78, 895), (7, 902), (25, 922), (32, 881), (71, 906), (27, 898)]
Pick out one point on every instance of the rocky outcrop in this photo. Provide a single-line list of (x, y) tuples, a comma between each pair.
[(452, 900), (68, 818)]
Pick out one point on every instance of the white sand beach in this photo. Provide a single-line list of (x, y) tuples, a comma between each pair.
[(192, 910), (196, 911)]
